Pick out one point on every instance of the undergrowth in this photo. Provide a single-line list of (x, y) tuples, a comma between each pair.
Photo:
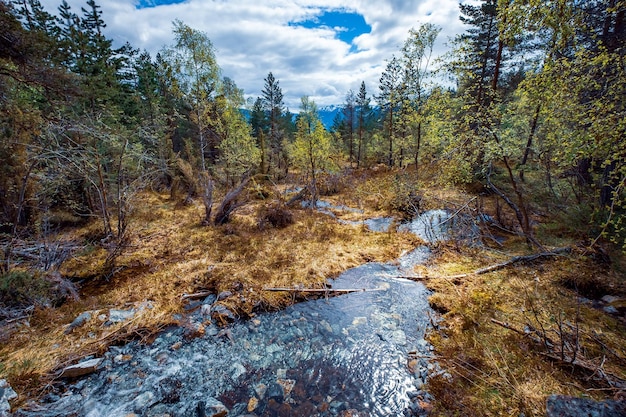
[(511, 338)]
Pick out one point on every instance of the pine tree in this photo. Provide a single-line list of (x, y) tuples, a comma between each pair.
[(390, 99), (273, 105), (364, 112)]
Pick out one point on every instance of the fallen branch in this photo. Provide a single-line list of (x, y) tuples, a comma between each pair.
[(490, 268), (567, 359), (611, 380), (323, 290), (202, 294)]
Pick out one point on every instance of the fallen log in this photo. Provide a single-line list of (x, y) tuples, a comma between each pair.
[(322, 290)]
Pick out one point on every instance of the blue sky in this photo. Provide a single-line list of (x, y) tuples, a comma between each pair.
[(319, 48), (347, 25)]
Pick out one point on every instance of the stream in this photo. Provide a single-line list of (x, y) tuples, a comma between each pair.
[(358, 354)]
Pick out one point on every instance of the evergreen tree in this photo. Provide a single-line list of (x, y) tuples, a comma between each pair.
[(364, 113), (273, 105), (260, 127), (390, 99), (349, 117)]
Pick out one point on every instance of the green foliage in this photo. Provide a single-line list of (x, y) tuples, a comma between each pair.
[(239, 153), (21, 289)]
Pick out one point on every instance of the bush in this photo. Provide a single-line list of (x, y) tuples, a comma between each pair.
[(21, 289), (275, 215), (330, 184)]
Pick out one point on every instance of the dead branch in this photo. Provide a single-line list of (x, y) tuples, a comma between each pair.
[(568, 357), (229, 204), (194, 296), (490, 268), (298, 197), (322, 290)]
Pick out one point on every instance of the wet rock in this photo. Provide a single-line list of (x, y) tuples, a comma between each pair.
[(80, 369), (276, 392), (564, 406), (169, 390), (222, 315), (79, 321), (253, 403), (325, 328), (260, 390), (6, 394), (211, 408), (287, 385), (609, 299), (205, 310), (237, 370), (143, 401)]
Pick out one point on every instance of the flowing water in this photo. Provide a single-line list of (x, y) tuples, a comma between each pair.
[(359, 354)]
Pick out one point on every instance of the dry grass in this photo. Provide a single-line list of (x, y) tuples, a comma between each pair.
[(495, 371), (170, 254)]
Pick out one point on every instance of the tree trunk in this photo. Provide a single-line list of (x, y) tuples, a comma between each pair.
[(229, 204), (498, 63), (419, 144), (207, 196), (529, 142)]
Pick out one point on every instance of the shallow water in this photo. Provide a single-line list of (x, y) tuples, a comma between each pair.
[(362, 353)]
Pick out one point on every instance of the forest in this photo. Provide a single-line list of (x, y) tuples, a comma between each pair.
[(124, 177)]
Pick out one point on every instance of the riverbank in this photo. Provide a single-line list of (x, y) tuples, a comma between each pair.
[(492, 369)]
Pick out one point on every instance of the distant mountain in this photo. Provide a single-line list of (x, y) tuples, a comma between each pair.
[(328, 113)]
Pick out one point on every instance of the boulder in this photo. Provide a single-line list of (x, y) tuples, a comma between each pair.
[(211, 408), (118, 316), (222, 315)]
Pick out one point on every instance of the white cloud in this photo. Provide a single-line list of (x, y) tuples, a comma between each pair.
[(253, 37)]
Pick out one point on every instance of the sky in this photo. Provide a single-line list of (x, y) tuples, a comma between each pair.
[(318, 48)]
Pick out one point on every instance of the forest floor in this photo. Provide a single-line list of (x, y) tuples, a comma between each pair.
[(508, 338)]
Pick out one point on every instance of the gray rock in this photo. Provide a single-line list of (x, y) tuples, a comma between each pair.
[(79, 321), (211, 408), (118, 316), (610, 310), (210, 299), (221, 314), (564, 406), (276, 392), (609, 299), (6, 394), (224, 295), (80, 369)]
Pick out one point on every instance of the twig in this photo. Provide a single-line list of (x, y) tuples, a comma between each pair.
[(201, 294)]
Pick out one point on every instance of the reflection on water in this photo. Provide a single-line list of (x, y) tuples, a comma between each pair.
[(359, 354), (345, 355)]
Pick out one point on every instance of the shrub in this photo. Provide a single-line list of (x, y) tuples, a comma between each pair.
[(21, 289), (275, 215)]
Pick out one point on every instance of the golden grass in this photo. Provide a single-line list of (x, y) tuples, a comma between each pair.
[(170, 254), (497, 372)]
